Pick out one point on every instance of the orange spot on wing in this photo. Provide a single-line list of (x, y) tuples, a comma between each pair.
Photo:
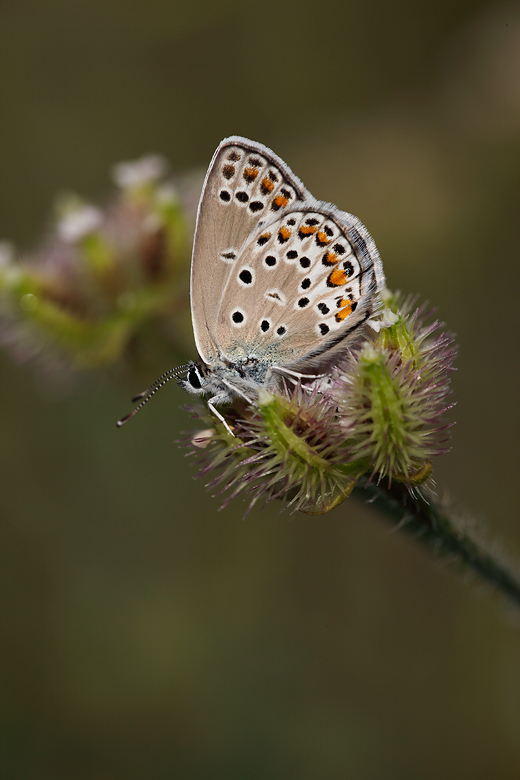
[(337, 277), (250, 174), (285, 233), (264, 238), (346, 309), (322, 237), (307, 230), (266, 185), (281, 201), (331, 258)]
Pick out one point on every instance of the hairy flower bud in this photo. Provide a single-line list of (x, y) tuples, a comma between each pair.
[(103, 276), (378, 414)]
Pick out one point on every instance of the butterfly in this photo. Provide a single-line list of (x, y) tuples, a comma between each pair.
[(280, 281)]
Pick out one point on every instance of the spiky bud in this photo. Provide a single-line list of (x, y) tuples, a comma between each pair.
[(379, 414)]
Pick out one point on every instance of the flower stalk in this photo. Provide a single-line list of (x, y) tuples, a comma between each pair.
[(435, 524)]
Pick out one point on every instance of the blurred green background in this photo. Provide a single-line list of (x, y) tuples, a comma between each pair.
[(142, 634)]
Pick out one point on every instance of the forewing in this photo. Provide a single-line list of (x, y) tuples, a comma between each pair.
[(301, 284), (246, 184)]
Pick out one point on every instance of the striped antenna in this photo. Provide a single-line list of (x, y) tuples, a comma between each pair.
[(151, 391)]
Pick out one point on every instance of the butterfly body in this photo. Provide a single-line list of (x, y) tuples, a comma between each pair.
[(279, 280)]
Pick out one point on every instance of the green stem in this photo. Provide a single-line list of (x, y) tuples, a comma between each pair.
[(436, 525)]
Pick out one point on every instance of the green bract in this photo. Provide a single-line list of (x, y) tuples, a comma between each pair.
[(379, 414)]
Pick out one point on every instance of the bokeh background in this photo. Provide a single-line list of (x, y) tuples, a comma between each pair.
[(142, 633)]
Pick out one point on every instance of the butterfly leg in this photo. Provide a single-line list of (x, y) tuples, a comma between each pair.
[(297, 374), (235, 389), (220, 399)]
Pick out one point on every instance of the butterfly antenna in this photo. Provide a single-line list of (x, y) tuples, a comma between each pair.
[(151, 391), (157, 382)]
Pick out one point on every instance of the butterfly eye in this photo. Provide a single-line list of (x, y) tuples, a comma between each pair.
[(193, 379)]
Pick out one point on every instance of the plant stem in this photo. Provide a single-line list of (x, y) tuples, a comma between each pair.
[(437, 525)]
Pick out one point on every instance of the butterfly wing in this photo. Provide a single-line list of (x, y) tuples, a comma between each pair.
[(300, 285), (246, 184)]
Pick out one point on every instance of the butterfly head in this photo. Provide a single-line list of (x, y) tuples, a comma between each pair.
[(240, 378), (195, 380)]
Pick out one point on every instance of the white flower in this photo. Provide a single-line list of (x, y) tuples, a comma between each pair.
[(385, 319), (128, 175), (78, 223)]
